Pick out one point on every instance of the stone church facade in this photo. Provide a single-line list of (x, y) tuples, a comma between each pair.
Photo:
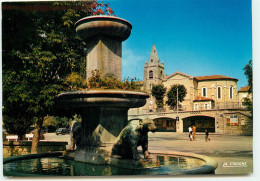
[(212, 102)]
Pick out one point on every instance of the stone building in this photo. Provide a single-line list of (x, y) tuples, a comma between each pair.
[(244, 93), (212, 102)]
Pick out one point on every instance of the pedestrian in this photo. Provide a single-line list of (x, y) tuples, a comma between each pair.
[(190, 134), (194, 132), (207, 135)]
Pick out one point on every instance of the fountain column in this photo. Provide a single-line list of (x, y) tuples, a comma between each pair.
[(104, 36)]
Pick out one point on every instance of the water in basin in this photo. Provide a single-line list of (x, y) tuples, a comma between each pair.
[(63, 167)]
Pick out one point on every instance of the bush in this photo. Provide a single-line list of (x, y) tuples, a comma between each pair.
[(110, 81), (75, 82)]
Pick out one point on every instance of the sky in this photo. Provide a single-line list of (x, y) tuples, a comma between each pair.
[(196, 37)]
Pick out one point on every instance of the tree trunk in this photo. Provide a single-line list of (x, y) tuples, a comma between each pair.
[(72, 141), (36, 136)]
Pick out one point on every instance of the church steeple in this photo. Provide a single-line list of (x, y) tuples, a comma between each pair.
[(153, 70), (154, 58)]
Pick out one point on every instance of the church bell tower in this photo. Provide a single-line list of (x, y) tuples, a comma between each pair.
[(153, 70)]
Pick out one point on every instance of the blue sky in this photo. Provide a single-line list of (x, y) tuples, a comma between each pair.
[(196, 37)]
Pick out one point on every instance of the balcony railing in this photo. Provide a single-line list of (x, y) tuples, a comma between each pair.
[(216, 106)]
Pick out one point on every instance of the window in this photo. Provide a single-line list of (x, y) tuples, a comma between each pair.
[(152, 60), (161, 74), (204, 92), (206, 106), (219, 94), (151, 86), (231, 92), (195, 106), (150, 74)]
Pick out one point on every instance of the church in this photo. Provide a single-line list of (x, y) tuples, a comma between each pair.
[(212, 102)]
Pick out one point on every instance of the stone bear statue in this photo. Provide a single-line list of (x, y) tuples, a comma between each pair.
[(133, 136), (76, 131)]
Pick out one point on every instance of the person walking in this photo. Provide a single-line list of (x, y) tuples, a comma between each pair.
[(190, 134), (207, 135), (194, 132)]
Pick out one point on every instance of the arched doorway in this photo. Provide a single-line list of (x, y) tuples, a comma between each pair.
[(165, 124), (201, 123)]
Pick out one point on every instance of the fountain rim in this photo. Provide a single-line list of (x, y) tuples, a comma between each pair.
[(209, 166), (102, 18), (103, 98), (103, 92)]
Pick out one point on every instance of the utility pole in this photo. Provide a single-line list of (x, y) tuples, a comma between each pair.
[(177, 99)]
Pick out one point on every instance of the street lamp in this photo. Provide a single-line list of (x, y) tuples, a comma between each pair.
[(177, 117)]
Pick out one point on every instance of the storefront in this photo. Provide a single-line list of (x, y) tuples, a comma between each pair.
[(165, 124), (201, 123)]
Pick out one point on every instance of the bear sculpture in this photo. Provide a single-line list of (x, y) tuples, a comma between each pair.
[(76, 131), (133, 136)]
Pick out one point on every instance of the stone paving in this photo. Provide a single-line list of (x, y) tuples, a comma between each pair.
[(225, 149)]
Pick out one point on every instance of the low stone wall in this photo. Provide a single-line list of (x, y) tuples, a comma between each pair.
[(16, 148)]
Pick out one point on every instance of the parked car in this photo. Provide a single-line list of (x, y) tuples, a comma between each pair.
[(62, 131)]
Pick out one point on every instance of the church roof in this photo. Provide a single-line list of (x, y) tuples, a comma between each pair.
[(214, 77), (199, 98), (153, 56), (244, 89), (180, 73)]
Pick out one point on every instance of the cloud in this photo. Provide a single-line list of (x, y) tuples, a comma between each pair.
[(132, 63)]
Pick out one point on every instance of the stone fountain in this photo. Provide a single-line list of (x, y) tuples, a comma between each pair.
[(104, 112), (104, 116)]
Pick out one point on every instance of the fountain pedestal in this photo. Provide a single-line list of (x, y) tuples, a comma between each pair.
[(104, 36), (104, 115)]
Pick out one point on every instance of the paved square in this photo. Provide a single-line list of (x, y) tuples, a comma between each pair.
[(234, 154), (227, 150)]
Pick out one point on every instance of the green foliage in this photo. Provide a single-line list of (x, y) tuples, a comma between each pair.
[(158, 91), (109, 81), (75, 81), (41, 50), (60, 122), (13, 125), (249, 104), (76, 117), (249, 74), (172, 95), (55, 122)]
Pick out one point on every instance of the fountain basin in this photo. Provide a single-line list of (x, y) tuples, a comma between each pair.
[(104, 115), (171, 163), (103, 25), (103, 98)]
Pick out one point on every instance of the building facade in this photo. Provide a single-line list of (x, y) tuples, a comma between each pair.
[(212, 102)]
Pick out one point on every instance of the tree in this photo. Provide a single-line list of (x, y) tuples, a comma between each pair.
[(40, 49), (249, 74), (158, 91), (172, 95), (56, 122)]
